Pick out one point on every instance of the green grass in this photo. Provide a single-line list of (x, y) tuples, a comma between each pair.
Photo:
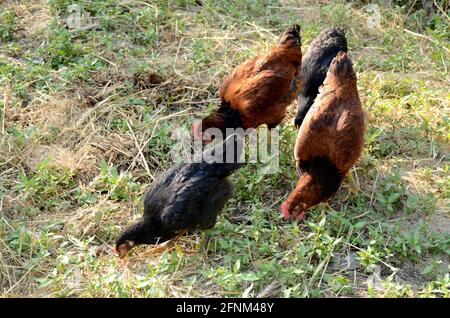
[(80, 106)]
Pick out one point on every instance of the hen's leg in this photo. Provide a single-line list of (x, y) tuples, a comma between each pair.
[(353, 186), (269, 134), (326, 206), (175, 240), (158, 249), (270, 128), (205, 242), (166, 245), (218, 200)]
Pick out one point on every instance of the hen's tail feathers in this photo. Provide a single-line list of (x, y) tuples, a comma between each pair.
[(291, 35), (327, 44), (294, 30), (339, 32), (341, 66)]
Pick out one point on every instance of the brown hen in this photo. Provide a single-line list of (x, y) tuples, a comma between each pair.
[(329, 141), (260, 89)]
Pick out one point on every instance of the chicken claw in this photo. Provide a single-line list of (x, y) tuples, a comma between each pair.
[(165, 246), (353, 186), (326, 206)]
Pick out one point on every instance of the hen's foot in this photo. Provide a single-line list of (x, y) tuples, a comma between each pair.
[(353, 187)]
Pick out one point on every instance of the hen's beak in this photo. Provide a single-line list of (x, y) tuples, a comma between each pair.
[(199, 134), (299, 211), (121, 250)]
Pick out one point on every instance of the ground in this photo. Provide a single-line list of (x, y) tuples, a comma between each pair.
[(87, 117)]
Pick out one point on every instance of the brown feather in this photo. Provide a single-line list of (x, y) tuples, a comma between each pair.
[(330, 139), (261, 88)]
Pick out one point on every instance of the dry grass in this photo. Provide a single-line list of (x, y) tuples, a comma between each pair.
[(84, 132)]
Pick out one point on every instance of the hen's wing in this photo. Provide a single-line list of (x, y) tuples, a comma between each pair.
[(332, 129), (215, 205), (241, 72), (282, 61), (158, 194), (192, 191), (316, 136), (266, 87), (263, 95)]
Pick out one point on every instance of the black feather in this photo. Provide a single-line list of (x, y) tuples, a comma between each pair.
[(315, 65), (325, 173), (231, 117), (185, 198)]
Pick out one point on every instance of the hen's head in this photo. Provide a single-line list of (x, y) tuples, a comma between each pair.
[(341, 66), (126, 241), (122, 248), (291, 36), (198, 131), (293, 212), (216, 124), (136, 234)]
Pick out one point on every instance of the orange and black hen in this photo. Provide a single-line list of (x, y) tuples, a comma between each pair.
[(260, 89), (329, 141)]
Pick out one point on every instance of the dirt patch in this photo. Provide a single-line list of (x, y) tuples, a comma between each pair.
[(440, 222), (146, 80), (411, 273), (57, 112), (34, 17), (82, 161), (95, 220), (69, 147), (88, 149)]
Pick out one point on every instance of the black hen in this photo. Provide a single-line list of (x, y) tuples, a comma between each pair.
[(185, 198), (315, 65)]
